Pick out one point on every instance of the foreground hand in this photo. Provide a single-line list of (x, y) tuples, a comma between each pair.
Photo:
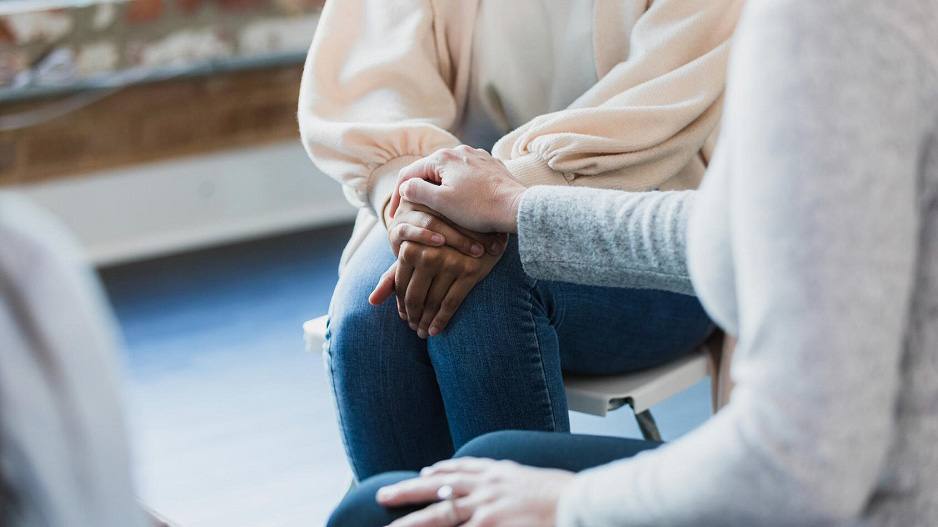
[(431, 283), (419, 224), (466, 185), (485, 492)]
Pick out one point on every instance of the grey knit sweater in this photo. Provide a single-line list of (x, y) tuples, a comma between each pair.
[(815, 240)]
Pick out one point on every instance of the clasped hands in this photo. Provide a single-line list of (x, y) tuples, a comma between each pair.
[(442, 206), (448, 220)]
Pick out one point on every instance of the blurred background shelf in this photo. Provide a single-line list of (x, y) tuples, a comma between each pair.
[(158, 126)]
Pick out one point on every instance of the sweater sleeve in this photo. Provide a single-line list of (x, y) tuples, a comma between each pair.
[(603, 237), (827, 102), (647, 117), (376, 94)]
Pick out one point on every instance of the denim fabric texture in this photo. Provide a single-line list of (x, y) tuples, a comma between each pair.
[(405, 403)]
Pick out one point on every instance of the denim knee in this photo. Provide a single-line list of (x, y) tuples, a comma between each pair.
[(360, 508), (493, 444), (504, 294)]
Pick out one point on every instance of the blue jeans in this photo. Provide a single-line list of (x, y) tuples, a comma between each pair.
[(536, 449), (405, 403)]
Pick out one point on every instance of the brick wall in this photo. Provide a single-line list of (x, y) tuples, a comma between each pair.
[(155, 121)]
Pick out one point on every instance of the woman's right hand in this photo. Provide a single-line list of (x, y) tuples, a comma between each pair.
[(419, 224), (430, 284)]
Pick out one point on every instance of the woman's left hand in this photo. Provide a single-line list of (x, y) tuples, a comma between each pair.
[(484, 493), (465, 185)]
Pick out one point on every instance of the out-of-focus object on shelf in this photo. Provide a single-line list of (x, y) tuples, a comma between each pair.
[(49, 47), (97, 84), (155, 126)]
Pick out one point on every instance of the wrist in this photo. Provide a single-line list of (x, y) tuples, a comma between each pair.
[(514, 204)]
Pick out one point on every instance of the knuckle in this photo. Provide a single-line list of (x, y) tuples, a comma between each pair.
[(424, 258), (428, 221), (447, 154), (409, 252), (471, 266), (449, 306), (435, 258)]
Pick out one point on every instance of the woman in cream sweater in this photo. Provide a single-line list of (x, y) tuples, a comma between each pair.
[(620, 94), (814, 239)]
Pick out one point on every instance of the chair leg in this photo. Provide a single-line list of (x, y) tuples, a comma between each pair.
[(646, 423)]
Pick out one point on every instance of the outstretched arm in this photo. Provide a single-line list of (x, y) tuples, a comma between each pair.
[(589, 236)]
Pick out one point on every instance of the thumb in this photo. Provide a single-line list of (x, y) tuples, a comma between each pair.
[(424, 193), (385, 287), (422, 169)]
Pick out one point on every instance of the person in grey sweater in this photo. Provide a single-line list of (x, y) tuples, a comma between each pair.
[(814, 239)]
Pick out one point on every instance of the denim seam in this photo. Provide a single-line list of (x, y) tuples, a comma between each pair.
[(540, 358), (395, 430), (327, 349)]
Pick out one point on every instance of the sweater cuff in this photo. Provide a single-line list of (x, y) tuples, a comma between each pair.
[(382, 181), (535, 232), (531, 170)]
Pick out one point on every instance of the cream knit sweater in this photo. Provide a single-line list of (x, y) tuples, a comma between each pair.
[(621, 94)]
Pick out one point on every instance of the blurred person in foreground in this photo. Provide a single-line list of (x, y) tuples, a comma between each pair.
[(814, 239), (64, 453)]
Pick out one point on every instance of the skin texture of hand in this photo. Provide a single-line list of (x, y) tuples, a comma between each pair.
[(466, 185), (431, 283), (417, 223), (486, 493)]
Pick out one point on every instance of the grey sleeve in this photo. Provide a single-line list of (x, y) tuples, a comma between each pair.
[(825, 115), (606, 237)]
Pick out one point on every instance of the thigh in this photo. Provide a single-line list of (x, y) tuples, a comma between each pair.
[(573, 452), (606, 330), (497, 363), (389, 406), (360, 509)]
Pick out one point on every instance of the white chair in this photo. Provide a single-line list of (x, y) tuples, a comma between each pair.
[(598, 395)]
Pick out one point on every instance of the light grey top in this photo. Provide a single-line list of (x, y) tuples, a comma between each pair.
[(64, 454), (815, 240)]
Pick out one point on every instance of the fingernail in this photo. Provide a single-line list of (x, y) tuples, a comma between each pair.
[(385, 493), (412, 326), (437, 238), (476, 249), (434, 331)]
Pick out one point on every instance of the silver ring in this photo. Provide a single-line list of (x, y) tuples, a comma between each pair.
[(446, 493)]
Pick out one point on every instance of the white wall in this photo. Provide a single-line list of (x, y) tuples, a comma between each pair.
[(170, 206)]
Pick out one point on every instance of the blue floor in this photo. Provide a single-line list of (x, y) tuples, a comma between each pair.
[(232, 421)]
